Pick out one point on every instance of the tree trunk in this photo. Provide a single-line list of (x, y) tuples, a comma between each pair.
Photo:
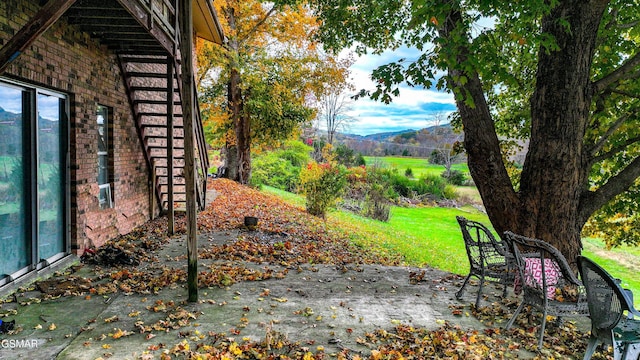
[(555, 171), (241, 122), (555, 174)]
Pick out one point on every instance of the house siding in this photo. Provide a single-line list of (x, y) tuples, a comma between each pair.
[(69, 61)]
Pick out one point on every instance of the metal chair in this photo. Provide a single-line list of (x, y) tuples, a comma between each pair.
[(489, 259), (607, 304), (546, 281)]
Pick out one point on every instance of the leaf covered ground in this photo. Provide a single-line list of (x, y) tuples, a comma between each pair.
[(286, 239)]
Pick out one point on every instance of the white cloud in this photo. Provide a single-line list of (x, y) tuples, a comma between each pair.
[(414, 108)]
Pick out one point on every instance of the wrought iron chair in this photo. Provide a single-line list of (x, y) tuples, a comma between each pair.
[(489, 259), (545, 280), (607, 304)]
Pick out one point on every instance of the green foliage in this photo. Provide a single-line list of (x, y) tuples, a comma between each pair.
[(436, 157), (455, 177), (408, 173), (434, 185), (360, 160), (513, 60), (322, 185), (375, 191), (280, 168), (617, 222), (274, 100), (345, 155), (449, 192)]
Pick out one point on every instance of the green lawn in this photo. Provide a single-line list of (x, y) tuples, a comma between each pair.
[(431, 236), (418, 166)]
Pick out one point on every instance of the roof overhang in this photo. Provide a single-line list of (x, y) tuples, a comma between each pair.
[(205, 21)]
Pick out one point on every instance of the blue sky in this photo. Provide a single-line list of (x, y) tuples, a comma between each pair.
[(414, 108)]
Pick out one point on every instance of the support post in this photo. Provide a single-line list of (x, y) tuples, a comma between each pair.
[(170, 210), (186, 46)]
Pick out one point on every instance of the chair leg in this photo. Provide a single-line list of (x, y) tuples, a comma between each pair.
[(479, 292), (461, 291), (631, 351), (542, 327), (515, 315), (617, 346), (591, 347)]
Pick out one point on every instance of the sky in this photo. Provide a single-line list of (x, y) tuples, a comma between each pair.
[(414, 108)]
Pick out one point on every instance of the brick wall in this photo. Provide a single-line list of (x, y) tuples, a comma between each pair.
[(69, 61)]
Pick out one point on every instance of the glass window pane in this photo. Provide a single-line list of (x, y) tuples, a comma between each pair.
[(102, 116), (14, 247), (50, 182)]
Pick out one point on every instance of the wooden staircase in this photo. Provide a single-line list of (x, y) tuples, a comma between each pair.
[(158, 116)]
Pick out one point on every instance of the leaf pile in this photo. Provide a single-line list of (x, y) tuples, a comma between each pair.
[(285, 235)]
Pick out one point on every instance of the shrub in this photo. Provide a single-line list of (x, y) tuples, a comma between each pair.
[(322, 184), (271, 170), (377, 208), (280, 168), (450, 192), (455, 177), (408, 173), (436, 158), (433, 184)]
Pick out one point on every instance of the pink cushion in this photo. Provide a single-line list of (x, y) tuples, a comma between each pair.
[(533, 275)]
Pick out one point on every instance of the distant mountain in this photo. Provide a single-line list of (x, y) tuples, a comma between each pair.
[(8, 116), (386, 136), (378, 136)]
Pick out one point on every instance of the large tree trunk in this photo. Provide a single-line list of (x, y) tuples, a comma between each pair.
[(241, 122), (555, 174), (555, 171)]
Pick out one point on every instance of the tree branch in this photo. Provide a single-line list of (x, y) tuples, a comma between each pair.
[(626, 71), (603, 139), (591, 201), (480, 139), (615, 150), (626, 93), (258, 24)]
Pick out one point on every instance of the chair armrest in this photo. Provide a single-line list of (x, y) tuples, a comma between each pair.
[(633, 313)]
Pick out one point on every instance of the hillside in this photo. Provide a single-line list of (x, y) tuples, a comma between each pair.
[(415, 143)]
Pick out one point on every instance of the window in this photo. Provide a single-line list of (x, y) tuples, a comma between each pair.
[(104, 142), (33, 174)]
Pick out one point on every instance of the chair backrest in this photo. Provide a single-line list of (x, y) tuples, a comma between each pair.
[(530, 247), (479, 242), (607, 301)]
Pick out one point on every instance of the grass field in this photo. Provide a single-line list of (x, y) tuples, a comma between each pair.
[(418, 166), (430, 236)]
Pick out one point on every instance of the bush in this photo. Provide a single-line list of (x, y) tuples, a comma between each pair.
[(433, 184), (408, 173), (450, 192), (271, 170), (322, 184), (436, 158), (455, 177), (280, 168)]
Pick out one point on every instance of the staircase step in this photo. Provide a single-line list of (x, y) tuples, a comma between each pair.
[(143, 60)]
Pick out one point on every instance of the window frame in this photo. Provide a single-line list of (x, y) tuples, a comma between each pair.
[(105, 193)]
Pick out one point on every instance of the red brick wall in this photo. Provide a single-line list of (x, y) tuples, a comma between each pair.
[(69, 61)]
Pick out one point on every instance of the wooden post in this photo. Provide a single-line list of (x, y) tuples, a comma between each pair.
[(186, 50), (43, 19), (171, 213)]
